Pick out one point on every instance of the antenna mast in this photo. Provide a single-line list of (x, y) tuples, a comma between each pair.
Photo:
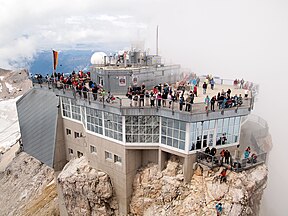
[(157, 41)]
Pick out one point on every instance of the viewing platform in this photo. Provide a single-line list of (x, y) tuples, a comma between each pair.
[(126, 105)]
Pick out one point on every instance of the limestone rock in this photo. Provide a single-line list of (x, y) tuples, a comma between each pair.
[(169, 195), (86, 191)]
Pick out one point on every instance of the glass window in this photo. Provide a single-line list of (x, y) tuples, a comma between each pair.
[(173, 133), (79, 154), (92, 149), (76, 134), (117, 159), (70, 151), (68, 131), (143, 129), (94, 120), (108, 155), (113, 125), (66, 107)]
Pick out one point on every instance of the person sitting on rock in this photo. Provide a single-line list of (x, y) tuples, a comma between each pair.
[(223, 175), (219, 208)]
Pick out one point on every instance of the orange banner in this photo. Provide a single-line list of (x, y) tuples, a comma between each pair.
[(55, 59)]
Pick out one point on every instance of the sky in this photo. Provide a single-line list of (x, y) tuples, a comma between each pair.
[(227, 38)]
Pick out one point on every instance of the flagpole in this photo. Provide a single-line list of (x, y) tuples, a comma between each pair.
[(53, 71)]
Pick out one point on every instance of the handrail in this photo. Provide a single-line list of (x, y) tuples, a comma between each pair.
[(237, 165), (124, 102)]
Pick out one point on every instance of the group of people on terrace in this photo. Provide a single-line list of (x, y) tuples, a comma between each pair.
[(162, 95), (225, 157)]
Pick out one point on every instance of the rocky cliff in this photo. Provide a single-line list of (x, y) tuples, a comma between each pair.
[(86, 191), (27, 187), (165, 193)]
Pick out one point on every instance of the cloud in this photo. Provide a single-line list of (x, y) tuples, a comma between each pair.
[(246, 38)]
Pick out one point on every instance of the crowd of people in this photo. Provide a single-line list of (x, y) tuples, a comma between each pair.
[(226, 158), (164, 95)]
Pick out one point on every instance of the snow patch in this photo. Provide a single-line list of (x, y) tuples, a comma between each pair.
[(9, 127), (10, 87), (0, 87), (1, 78)]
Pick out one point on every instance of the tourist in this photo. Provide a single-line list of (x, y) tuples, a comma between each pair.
[(247, 152), (237, 153), (213, 100), (135, 99), (181, 102), (141, 96), (152, 99), (188, 104), (213, 151), (207, 102), (227, 156), (219, 208), (240, 100), (222, 154), (159, 99), (242, 83), (246, 94), (223, 175), (195, 90), (147, 96), (212, 83), (204, 86)]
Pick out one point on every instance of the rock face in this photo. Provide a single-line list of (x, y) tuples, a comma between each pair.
[(165, 193), (86, 191), (13, 83), (28, 187)]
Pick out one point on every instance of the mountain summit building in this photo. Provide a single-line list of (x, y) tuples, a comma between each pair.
[(57, 125)]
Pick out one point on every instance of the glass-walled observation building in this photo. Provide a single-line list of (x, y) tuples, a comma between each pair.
[(120, 139), (155, 130)]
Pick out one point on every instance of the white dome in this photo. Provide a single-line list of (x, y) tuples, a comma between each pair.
[(98, 58)]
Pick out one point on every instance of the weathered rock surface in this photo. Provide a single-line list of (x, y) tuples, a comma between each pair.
[(86, 191), (165, 193), (28, 187)]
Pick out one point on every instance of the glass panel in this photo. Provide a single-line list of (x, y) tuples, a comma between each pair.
[(128, 138), (182, 145), (155, 138), (176, 124), (182, 135), (128, 120), (169, 141), (148, 139), (134, 138), (236, 129), (142, 130), (163, 139), (183, 126), (135, 120), (175, 134), (175, 143), (169, 132), (163, 130), (212, 124), (156, 130), (205, 125), (142, 139), (237, 120), (231, 121), (164, 121), (170, 123)]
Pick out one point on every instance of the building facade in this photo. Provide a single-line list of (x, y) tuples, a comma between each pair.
[(120, 139)]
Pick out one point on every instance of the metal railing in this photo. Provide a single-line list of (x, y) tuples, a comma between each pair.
[(122, 101), (235, 165)]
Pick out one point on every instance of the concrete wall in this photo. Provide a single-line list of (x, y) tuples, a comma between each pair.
[(60, 148)]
